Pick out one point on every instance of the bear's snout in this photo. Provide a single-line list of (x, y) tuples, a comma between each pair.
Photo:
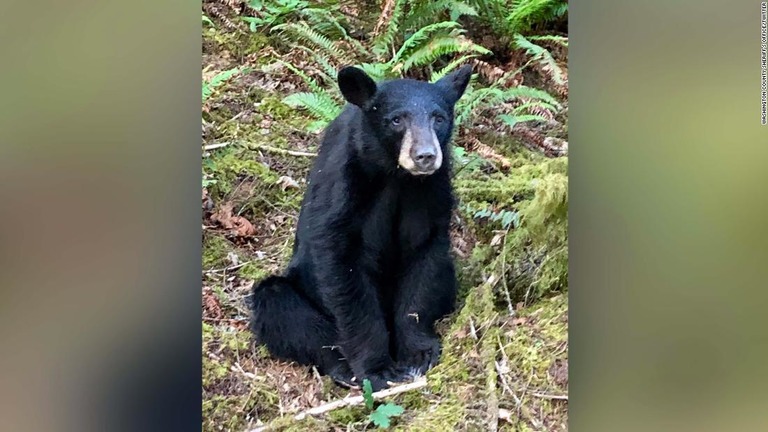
[(420, 152)]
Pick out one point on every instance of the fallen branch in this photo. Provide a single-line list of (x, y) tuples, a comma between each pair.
[(279, 150), (353, 400)]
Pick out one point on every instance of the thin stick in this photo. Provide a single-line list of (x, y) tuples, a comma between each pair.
[(353, 400), (215, 146), (547, 396), (279, 150)]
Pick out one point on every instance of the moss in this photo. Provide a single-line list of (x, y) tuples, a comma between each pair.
[(253, 271), (215, 250), (239, 43), (226, 412), (535, 246), (347, 415), (233, 164)]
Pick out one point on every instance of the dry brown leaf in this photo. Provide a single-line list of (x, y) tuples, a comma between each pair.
[(487, 152), (211, 305), (238, 225)]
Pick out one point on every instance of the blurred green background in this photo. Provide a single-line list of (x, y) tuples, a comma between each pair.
[(668, 247)]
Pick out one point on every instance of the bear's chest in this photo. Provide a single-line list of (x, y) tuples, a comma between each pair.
[(395, 225)]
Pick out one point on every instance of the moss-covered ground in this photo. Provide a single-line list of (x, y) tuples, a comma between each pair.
[(505, 357)]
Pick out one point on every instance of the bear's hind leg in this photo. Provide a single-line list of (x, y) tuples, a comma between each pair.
[(293, 329)]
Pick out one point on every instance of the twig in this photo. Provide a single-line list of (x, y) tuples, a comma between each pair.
[(215, 146), (279, 150), (353, 400), (547, 396)]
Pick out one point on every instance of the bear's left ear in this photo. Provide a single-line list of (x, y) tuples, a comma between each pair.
[(456, 82), (357, 87)]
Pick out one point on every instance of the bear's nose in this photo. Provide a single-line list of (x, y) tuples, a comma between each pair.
[(424, 158)]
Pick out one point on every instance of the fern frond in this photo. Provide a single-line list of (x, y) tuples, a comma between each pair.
[(424, 11), (527, 12), (301, 32), (324, 21), (325, 67), (523, 92), (219, 79), (439, 47), (377, 71), (528, 106), (543, 56), (560, 40), (311, 83), (421, 36), (449, 68), (512, 120), (459, 9), (321, 105)]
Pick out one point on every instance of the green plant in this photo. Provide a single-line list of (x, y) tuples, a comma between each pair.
[(408, 44), (476, 100), (509, 17), (542, 55), (534, 255), (464, 161), (506, 218), (271, 12), (219, 79), (381, 415)]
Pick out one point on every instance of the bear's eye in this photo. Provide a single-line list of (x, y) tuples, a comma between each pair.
[(439, 119), (395, 121)]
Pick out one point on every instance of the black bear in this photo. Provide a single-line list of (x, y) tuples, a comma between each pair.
[(371, 270)]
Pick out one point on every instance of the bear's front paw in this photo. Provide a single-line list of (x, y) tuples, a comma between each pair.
[(419, 357), (384, 378)]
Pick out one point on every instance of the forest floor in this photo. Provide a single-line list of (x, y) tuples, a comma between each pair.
[(505, 357)]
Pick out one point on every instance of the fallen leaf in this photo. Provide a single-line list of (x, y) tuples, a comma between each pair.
[(211, 305), (237, 224)]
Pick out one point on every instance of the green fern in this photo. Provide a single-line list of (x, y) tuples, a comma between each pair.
[(219, 79), (526, 13), (475, 100), (449, 68), (421, 36), (542, 56), (508, 17), (303, 33), (441, 46), (313, 85), (560, 40), (321, 105), (512, 120), (422, 12)]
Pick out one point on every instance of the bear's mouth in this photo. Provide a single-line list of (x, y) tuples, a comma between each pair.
[(418, 172)]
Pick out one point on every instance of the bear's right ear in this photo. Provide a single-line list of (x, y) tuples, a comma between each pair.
[(357, 87)]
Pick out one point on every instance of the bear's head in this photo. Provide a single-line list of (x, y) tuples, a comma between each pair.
[(411, 121)]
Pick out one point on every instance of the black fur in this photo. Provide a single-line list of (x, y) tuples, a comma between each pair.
[(371, 270)]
